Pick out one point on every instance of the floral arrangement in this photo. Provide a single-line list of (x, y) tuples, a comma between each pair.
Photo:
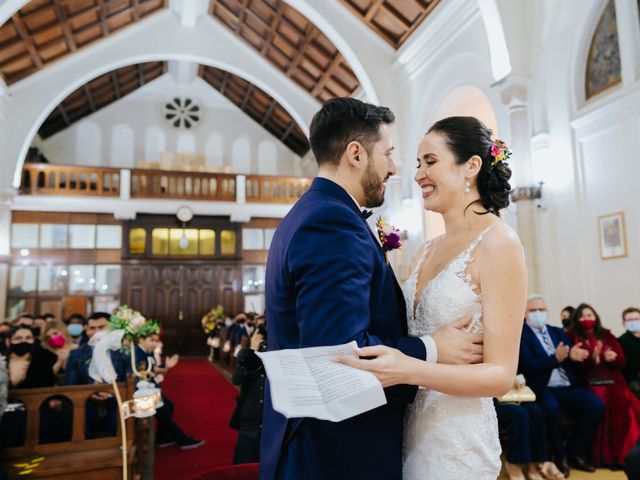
[(209, 320), (389, 236), (499, 151), (134, 324)]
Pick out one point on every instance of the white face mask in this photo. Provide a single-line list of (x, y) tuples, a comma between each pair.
[(633, 325), (537, 319)]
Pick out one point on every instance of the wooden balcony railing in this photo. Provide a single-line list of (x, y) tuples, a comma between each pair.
[(66, 180), (263, 189), (70, 180), (187, 185)]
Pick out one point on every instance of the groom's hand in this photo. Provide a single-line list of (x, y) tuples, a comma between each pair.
[(455, 346)]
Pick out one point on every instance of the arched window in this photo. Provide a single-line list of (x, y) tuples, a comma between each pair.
[(603, 62)]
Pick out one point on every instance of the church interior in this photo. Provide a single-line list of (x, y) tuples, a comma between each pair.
[(172, 214)]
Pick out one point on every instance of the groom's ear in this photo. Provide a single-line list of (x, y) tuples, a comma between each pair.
[(355, 155)]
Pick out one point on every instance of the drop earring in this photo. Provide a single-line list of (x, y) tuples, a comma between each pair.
[(467, 188)]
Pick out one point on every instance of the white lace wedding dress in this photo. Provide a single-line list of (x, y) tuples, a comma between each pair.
[(448, 437)]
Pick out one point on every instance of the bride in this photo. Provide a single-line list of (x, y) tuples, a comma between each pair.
[(476, 267)]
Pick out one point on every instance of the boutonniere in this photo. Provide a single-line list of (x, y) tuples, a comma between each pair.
[(389, 236)]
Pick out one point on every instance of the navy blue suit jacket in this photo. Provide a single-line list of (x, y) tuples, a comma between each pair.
[(535, 363), (328, 283), (77, 369)]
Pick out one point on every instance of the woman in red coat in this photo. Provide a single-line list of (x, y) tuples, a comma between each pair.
[(600, 373)]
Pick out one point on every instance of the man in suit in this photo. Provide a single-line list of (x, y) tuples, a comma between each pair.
[(101, 412), (328, 283), (168, 432), (546, 357)]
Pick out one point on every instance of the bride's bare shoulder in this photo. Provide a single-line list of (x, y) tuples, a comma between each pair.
[(501, 240)]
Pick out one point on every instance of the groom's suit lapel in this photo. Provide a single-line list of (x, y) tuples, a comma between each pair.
[(333, 189)]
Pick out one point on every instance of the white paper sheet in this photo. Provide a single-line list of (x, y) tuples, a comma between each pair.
[(306, 382)]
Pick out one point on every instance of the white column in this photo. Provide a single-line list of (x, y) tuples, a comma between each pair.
[(241, 189), (514, 93), (628, 39), (125, 184), (6, 196)]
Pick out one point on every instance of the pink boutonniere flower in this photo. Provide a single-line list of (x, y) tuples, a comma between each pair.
[(389, 236)]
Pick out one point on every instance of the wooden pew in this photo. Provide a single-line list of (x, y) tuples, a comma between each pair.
[(99, 458)]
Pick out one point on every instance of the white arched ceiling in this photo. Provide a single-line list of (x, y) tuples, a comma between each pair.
[(208, 43), (468, 100), (368, 55), (500, 61)]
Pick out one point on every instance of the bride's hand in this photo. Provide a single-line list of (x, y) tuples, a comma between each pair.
[(387, 364)]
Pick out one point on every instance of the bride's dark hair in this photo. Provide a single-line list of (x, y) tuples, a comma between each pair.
[(466, 137)]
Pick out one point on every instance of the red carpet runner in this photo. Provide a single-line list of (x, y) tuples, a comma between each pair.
[(204, 401)]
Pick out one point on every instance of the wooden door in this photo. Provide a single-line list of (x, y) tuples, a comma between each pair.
[(179, 295)]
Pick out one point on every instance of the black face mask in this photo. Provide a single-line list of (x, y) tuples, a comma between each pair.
[(21, 349), (36, 331), (566, 322)]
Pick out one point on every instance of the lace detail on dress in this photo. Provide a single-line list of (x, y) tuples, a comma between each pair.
[(445, 436)]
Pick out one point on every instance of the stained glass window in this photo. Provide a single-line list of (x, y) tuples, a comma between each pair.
[(603, 63)]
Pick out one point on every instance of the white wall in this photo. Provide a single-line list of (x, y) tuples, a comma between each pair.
[(133, 129)]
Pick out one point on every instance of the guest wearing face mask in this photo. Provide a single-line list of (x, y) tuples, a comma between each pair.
[(547, 360), (31, 366), (75, 326), (38, 325), (630, 343), (565, 316), (56, 339), (601, 374)]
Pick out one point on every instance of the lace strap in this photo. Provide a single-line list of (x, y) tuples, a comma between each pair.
[(465, 256), (420, 259)]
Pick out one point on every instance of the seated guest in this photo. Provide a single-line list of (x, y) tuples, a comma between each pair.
[(101, 413), (25, 319), (75, 326), (39, 323), (247, 417), (601, 374), (546, 360), (565, 316), (56, 339), (4, 390), (526, 443), (630, 343), (168, 432), (31, 366)]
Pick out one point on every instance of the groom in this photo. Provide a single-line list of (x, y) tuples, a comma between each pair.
[(328, 283)]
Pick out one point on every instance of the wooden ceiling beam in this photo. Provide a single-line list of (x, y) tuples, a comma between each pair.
[(310, 33), (89, 97), (136, 10), (64, 114), (223, 84), (28, 41), (269, 112), (241, 14), (103, 19), (247, 96), (327, 74), (287, 132), (141, 79), (116, 85), (64, 24), (274, 27), (373, 9)]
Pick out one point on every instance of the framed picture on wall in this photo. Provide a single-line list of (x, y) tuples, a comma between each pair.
[(613, 237)]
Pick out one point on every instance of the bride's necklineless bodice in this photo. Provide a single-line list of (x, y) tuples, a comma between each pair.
[(446, 297)]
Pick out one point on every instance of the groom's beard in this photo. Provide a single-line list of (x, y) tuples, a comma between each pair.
[(372, 187)]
